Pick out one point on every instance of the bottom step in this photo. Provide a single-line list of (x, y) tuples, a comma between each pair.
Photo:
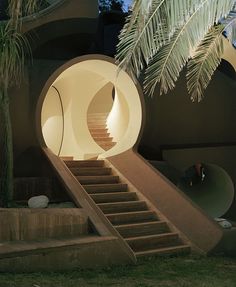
[(173, 250), (61, 255), (23, 248)]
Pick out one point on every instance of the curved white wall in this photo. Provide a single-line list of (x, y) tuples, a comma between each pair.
[(52, 121), (118, 118), (102, 102), (78, 86)]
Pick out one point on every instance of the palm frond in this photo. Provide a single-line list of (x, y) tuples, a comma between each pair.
[(148, 29), (205, 61), (208, 56), (167, 63)]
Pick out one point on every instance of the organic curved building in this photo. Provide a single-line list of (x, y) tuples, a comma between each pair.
[(84, 133)]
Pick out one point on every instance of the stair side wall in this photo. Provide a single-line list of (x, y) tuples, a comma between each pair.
[(89, 255), (200, 229)]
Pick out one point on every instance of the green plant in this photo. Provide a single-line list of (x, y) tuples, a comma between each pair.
[(161, 36), (13, 52)]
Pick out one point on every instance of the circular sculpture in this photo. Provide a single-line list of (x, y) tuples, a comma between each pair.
[(214, 193)]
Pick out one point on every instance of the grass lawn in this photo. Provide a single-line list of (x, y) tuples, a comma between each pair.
[(155, 272)]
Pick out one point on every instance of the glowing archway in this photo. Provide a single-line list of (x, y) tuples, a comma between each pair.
[(78, 82)]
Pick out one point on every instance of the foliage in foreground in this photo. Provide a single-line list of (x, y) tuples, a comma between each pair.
[(13, 52), (161, 36)]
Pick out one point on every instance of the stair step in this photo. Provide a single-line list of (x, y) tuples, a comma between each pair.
[(128, 206), (173, 250), (147, 242), (113, 197), (24, 248), (131, 217), (97, 126), (96, 120), (99, 134), (91, 170), (98, 129), (93, 123), (101, 138), (105, 144), (144, 228), (86, 180), (85, 163), (103, 188), (98, 115)]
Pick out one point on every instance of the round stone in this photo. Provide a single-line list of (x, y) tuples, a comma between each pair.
[(40, 201)]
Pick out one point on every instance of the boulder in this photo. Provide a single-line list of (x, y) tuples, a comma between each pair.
[(40, 201)]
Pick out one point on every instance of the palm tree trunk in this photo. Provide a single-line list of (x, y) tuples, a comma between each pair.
[(6, 194)]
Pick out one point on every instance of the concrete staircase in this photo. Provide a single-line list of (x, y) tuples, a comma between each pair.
[(140, 226), (99, 131)]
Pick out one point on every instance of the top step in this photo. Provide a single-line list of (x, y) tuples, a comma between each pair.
[(84, 163)]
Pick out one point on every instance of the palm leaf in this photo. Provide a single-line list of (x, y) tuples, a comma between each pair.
[(167, 64), (208, 56), (148, 28), (204, 63)]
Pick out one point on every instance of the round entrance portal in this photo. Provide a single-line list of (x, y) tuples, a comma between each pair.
[(90, 108)]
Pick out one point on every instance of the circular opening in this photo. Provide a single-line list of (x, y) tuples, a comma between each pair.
[(212, 189), (89, 90)]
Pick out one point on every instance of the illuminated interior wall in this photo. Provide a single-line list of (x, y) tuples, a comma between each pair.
[(118, 118), (79, 85), (52, 120), (102, 102)]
